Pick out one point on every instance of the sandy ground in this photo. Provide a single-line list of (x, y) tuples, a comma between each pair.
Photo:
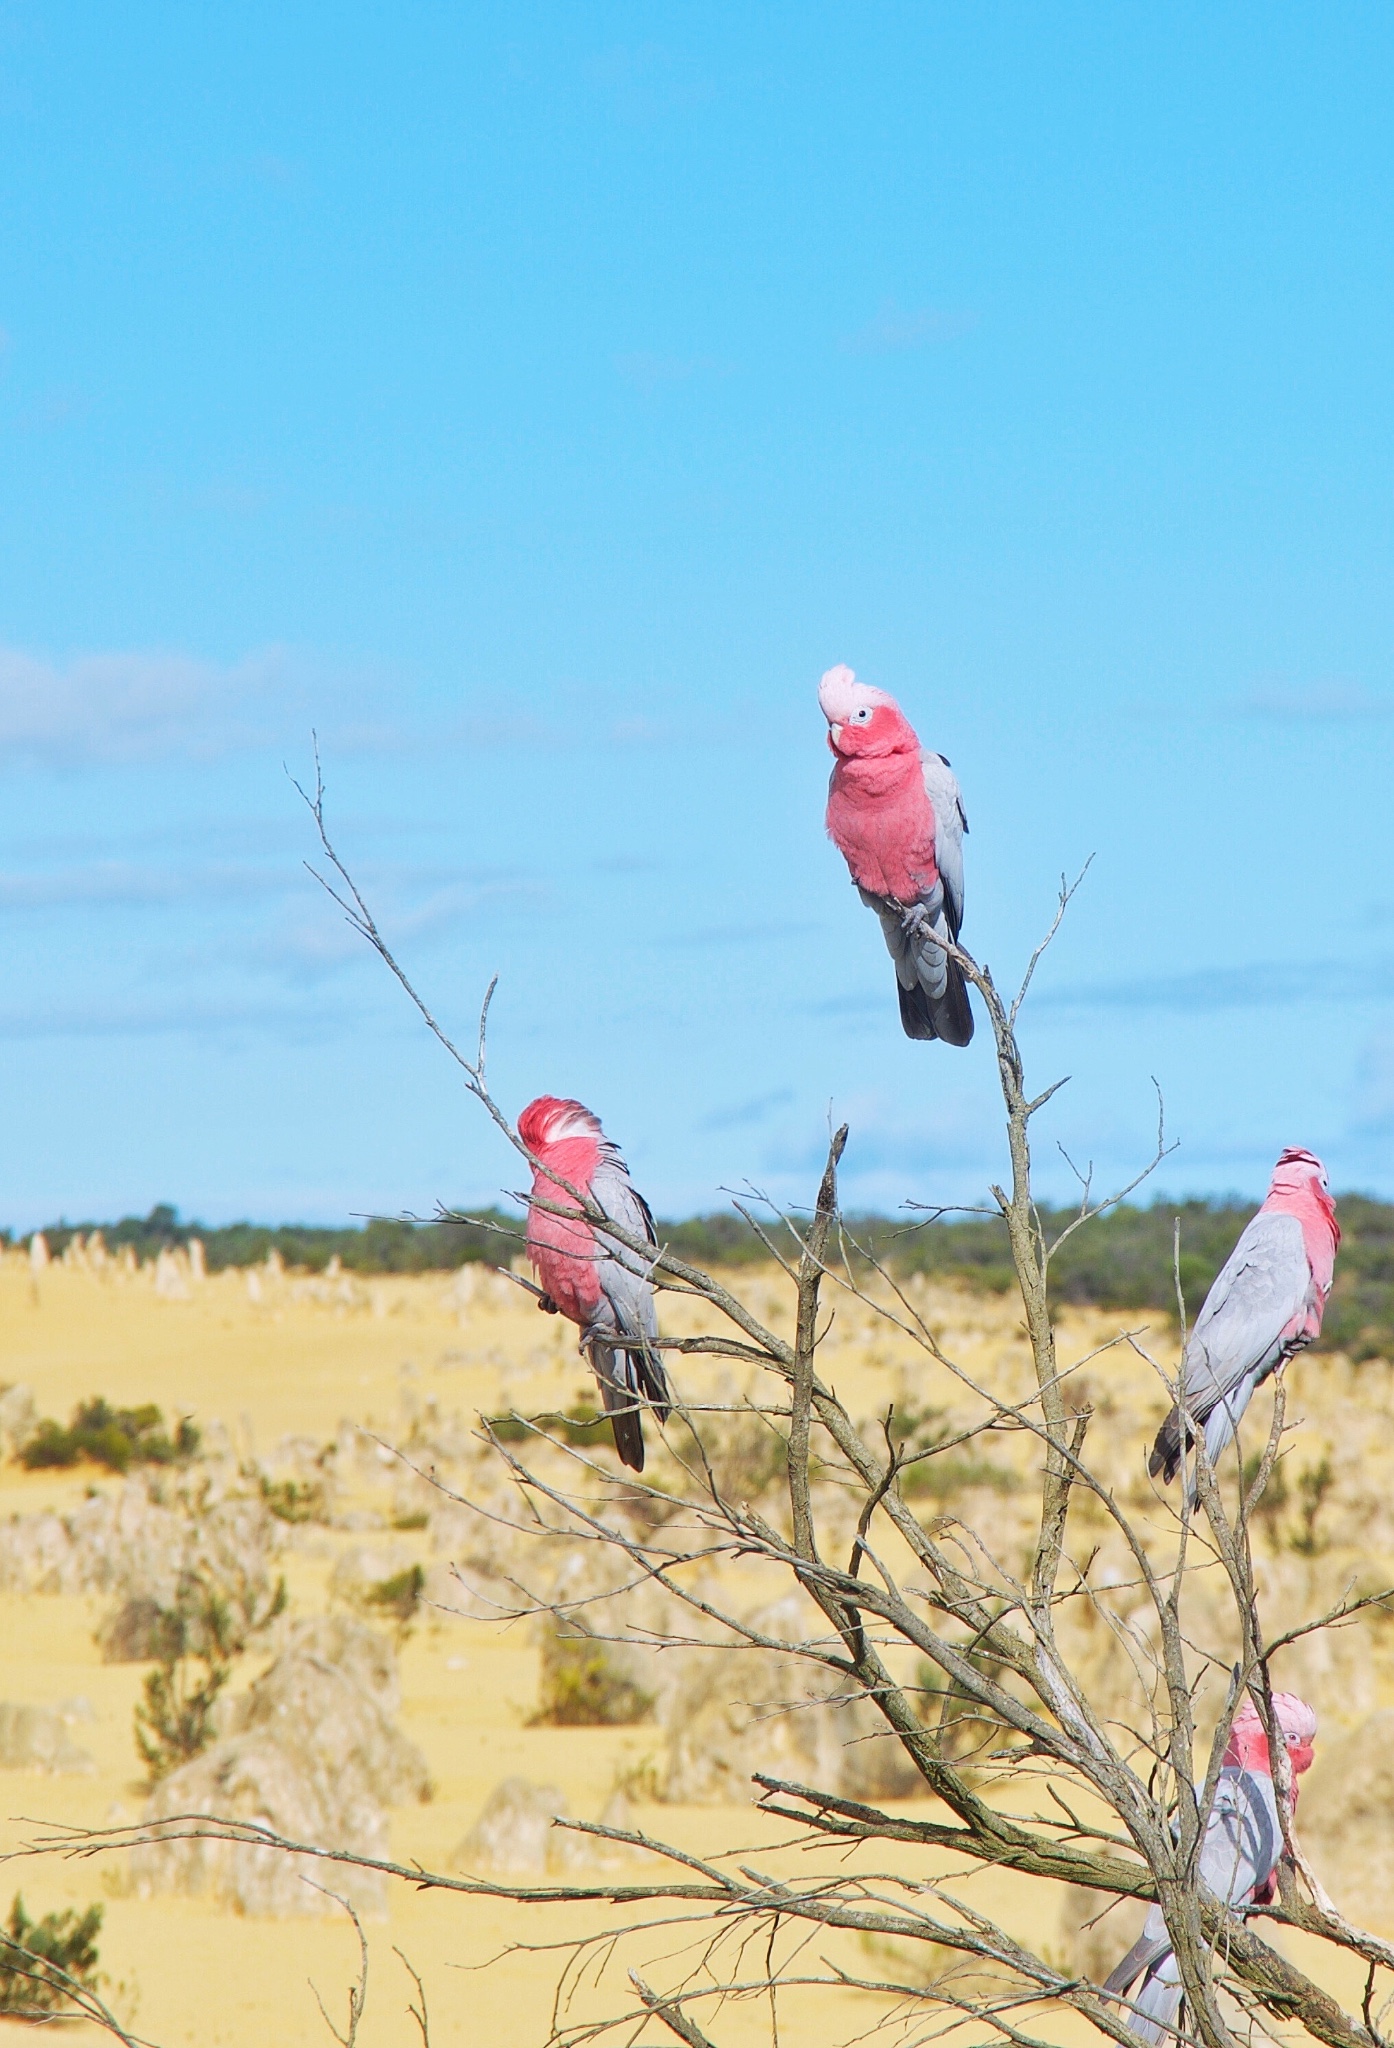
[(298, 1359)]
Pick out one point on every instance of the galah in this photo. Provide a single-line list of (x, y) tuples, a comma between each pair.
[(1238, 1858), (896, 817), (1267, 1302), (595, 1281)]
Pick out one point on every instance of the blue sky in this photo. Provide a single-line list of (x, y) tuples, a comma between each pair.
[(534, 401)]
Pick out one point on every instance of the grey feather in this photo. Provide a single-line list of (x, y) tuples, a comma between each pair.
[(621, 1337), (950, 824), (1241, 1846), (1239, 1335), (933, 996)]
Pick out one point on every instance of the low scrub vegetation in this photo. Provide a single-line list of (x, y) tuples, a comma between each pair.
[(42, 1962), (586, 1683), (114, 1437), (200, 1640)]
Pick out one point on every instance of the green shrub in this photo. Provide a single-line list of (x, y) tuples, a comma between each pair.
[(1313, 1486), (41, 1960), (581, 1424), (174, 1720), (398, 1597), (942, 1476), (295, 1500), (585, 1683), (115, 1437), (209, 1627)]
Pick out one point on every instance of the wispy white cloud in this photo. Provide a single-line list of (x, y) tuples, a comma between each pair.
[(894, 329), (309, 947), (138, 706), (1260, 984), (1330, 699), (120, 884), (770, 934), (61, 407), (1373, 1104), (650, 373), (168, 1018), (742, 1115), (647, 82)]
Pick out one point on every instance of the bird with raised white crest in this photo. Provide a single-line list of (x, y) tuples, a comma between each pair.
[(896, 817)]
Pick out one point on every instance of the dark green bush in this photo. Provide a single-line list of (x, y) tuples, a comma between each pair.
[(581, 1424), (41, 1960), (398, 1597), (296, 1500), (585, 1684), (200, 1639), (949, 1473), (115, 1437)]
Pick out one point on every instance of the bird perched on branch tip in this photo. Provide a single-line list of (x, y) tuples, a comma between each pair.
[(1267, 1303), (598, 1283), (1239, 1855), (896, 816)]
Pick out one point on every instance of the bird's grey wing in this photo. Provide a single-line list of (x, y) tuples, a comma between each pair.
[(907, 946), (950, 824), (623, 1272), (1239, 1335), (1242, 1836), (1261, 1287), (1156, 2004), (626, 1289)]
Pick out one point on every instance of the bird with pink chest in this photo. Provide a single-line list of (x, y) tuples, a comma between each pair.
[(596, 1281), (896, 816), (1239, 1853), (1266, 1304)]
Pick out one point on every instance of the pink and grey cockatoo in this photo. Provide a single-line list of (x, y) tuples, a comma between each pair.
[(896, 816), (1267, 1302), (599, 1284), (1238, 1859)]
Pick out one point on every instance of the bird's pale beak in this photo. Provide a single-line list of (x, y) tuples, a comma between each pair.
[(834, 735)]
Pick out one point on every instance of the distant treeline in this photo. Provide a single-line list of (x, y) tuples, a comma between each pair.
[(1122, 1260), (381, 1245)]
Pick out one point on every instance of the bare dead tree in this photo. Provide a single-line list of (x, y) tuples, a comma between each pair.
[(1064, 1785)]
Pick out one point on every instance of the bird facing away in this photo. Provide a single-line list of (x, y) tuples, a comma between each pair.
[(599, 1284), (1238, 1857), (896, 817), (1267, 1302)]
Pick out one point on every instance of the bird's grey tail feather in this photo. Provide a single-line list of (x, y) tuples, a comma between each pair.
[(646, 1372), (949, 1016), (622, 1407), (627, 1380), (914, 1012), (1166, 1451), (953, 1013), (1219, 1423)]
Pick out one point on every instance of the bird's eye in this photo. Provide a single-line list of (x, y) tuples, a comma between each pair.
[(862, 717)]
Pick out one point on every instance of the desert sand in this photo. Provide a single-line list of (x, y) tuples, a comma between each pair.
[(256, 1359)]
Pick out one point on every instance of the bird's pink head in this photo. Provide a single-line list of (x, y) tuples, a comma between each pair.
[(1248, 1745), (553, 1120), (1299, 1183), (862, 720)]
